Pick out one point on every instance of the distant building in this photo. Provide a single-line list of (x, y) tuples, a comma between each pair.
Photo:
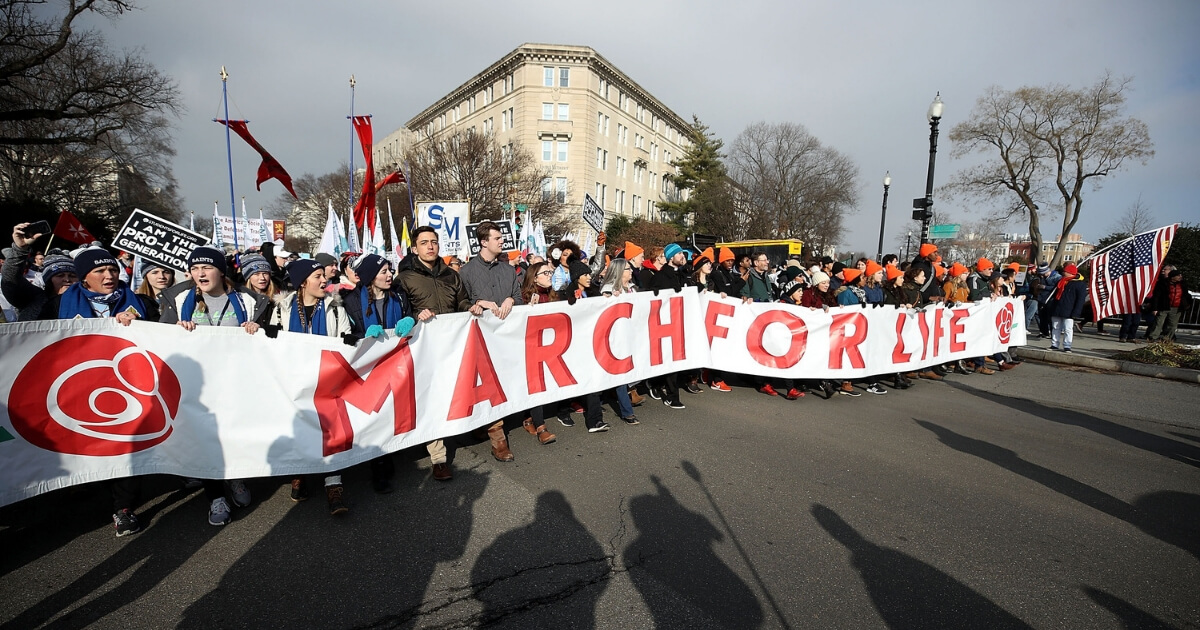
[(592, 125)]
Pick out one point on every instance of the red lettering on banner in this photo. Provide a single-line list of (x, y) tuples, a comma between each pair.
[(537, 355), (477, 380), (672, 330), (898, 353), (840, 344), (924, 325), (600, 339), (338, 384), (957, 327), (758, 328), (716, 309), (938, 331)]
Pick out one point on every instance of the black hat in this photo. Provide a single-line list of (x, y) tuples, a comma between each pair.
[(299, 270), (325, 259), (91, 258), (206, 255), (578, 270), (367, 267), (791, 272), (54, 263)]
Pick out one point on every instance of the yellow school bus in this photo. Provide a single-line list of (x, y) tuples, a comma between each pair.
[(778, 251)]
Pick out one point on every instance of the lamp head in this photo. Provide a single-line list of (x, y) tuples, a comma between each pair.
[(935, 108), (887, 179)]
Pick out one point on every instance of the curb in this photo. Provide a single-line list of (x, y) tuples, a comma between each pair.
[(1112, 365)]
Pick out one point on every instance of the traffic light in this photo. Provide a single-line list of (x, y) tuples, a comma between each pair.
[(922, 211)]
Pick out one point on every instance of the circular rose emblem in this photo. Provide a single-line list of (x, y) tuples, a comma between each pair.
[(94, 395), (1004, 322)]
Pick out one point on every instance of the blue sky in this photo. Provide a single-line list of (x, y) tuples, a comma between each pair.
[(858, 75)]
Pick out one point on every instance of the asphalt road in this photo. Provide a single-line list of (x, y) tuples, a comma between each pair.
[(1041, 497)]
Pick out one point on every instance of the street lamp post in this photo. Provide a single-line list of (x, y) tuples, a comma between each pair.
[(887, 182), (908, 246), (924, 206)]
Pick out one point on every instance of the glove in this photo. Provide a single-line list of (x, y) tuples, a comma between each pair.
[(375, 331), (404, 327)]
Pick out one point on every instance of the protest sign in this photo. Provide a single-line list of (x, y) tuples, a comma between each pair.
[(506, 230), (593, 213), (158, 240), (450, 219)]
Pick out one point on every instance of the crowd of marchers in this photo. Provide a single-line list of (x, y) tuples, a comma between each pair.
[(358, 296)]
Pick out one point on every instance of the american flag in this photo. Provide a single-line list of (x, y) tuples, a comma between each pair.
[(1124, 275)]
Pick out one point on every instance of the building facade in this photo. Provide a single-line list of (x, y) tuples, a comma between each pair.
[(594, 128)]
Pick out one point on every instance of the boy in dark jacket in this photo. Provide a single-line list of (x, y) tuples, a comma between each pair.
[(1066, 304)]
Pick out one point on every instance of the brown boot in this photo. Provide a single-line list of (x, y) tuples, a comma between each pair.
[(528, 424), (930, 375), (635, 398), (544, 436), (500, 443)]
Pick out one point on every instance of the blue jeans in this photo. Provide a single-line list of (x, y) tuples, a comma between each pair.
[(623, 402)]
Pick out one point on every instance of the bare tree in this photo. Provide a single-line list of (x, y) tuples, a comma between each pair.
[(1047, 144), (792, 185), (473, 166), (1138, 218)]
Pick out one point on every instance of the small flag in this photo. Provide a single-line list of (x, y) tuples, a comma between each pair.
[(217, 237), (69, 228), (392, 178)]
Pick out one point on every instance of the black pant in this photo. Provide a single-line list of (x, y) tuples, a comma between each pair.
[(124, 492), (669, 385)]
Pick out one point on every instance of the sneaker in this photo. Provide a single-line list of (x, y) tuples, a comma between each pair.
[(1066, 349), (793, 394), (567, 421), (601, 427), (299, 490), (875, 388), (336, 504), (239, 492), (1053, 347), (848, 390), (720, 386), (692, 388), (654, 393), (218, 512), (631, 420), (125, 522), (674, 404), (768, 390), (827, 389)]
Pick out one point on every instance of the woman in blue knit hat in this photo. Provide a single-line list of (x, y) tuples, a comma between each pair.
[(311, 310)]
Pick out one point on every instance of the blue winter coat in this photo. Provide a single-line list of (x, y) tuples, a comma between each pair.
[(1070, 304)]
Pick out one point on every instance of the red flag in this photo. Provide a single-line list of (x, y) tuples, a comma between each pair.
[(69, 228), (364, 210), (270, 167), (1124, 275), (393, 178)]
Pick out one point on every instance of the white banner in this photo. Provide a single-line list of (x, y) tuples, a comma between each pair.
[(86, 400), (249, 231), (450, 219)]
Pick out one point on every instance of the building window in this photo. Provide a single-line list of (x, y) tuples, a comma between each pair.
[(599, 123), (548, 76), (562, 150), (547, 189), (653, 151), (602, 159), (606, 121), (561, 189), (564, 111), (547, 150), (604, 89), (564, 77), (547, 111)]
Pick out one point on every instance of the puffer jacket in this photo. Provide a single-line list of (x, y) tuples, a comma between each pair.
[(439, 289)]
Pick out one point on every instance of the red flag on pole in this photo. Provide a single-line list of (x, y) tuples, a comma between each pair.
[(364, 210), (69, 228), (1123, 276), (270, 167), (393, 178)]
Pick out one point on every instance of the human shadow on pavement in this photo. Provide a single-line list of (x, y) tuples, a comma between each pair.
[(1169, 516), (1157, 444), (1132, 617), (553, 568), (675, 547), (368, 568), (909, 593)]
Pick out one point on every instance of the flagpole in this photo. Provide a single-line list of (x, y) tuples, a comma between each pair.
[(351, 186), (412, 208), (229, 154), (1121, 242)]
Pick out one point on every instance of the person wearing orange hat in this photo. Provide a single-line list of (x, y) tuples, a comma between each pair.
[(955, 287), (853, 293), (977, 280), (873, 286), (726, 279)]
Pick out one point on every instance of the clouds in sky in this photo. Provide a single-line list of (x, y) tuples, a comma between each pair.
[(858, 75)]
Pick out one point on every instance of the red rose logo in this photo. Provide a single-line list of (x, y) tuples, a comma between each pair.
[(94, 395), (1004, 322)]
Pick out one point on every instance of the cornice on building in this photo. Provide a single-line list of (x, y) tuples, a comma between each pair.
[(549, 53)]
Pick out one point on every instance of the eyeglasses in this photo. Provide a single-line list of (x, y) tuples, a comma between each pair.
[(545, 273)]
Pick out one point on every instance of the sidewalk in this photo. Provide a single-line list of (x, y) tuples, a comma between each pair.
[(1093, 350)]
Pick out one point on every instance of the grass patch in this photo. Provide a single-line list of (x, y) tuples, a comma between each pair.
[(1164, 353)]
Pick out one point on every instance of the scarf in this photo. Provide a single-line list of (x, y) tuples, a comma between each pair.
[(77, 302), (189, 307), (1062, 284), (395, 309), (298, 325)]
